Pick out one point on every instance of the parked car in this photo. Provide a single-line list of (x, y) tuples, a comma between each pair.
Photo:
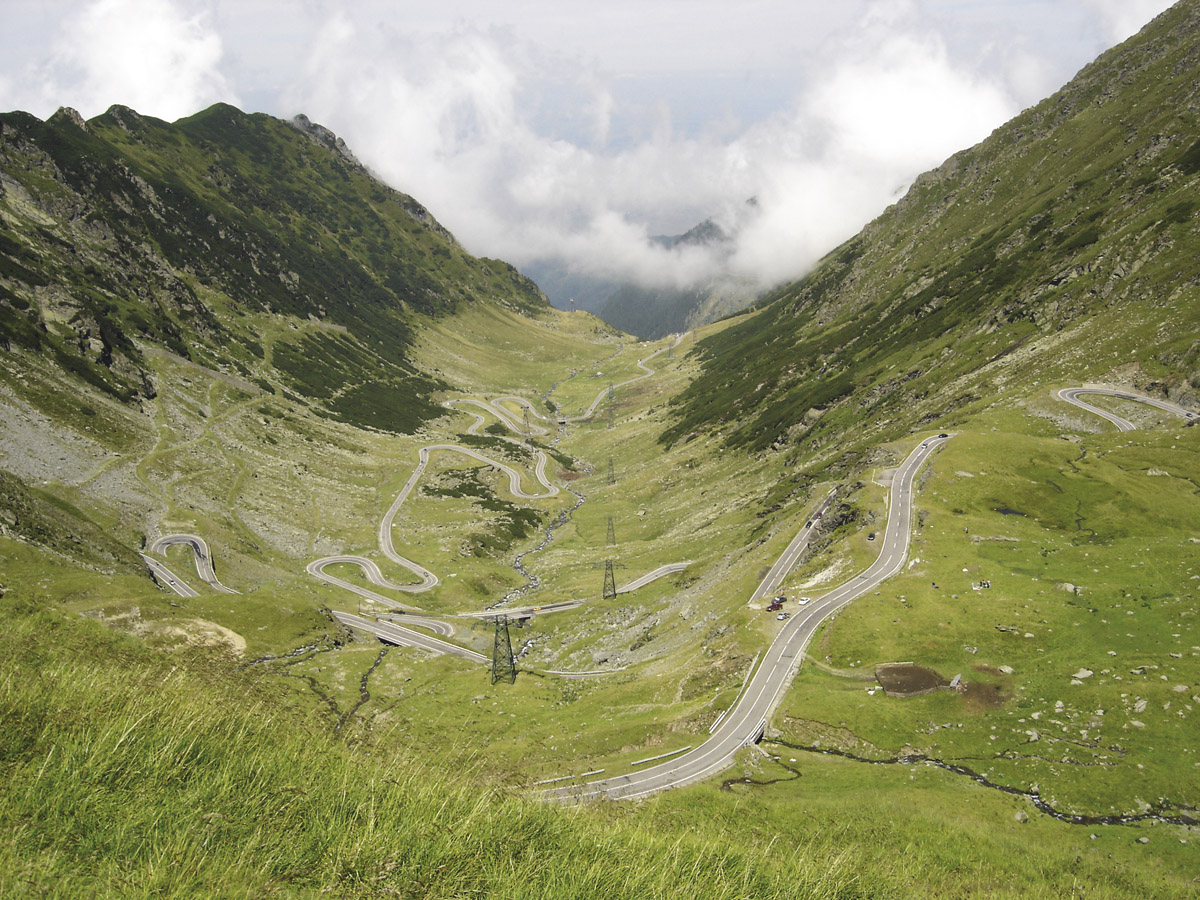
[(804, 600), (774, 605), (782, 616)]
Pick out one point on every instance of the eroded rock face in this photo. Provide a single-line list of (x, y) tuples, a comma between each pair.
[(72, 116), (325, 137)]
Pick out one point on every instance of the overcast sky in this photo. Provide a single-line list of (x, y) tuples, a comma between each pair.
[(556, 129)]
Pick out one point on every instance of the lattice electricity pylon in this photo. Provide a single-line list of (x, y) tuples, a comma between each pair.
[(611, 392), (670, 347), (504, 667), (610, 539), (610, 580), (528, 429), (612, 472), (612, 413)]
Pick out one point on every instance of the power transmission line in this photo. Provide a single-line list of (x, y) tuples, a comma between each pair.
[(504, 667), (610, 580)]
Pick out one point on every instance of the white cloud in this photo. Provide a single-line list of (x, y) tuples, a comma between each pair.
[(540, 131), (440, 116), (892, 107), (151, 55), (1122, 19)]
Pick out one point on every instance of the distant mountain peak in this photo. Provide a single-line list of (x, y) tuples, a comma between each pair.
[(707, 233), (323, 136), (128, 119), (68, 114)]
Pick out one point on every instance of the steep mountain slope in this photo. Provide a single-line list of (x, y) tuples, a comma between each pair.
[(127, 231), (194, 314), (1063, 245)]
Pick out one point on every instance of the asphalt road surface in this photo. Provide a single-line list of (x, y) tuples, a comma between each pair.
[(745, 722), (521, 612), (668, 569), (428, 580), (168, 579), (1071, 395), (201, 554), (504, 415), (398, 634), (786, 562)]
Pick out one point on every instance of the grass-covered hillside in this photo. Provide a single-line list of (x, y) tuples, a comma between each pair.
[(1064, 243), (127, 232), (128, 774)]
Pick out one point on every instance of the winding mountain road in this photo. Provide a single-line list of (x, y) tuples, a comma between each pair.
[(398, 634), (1071, 395), (504, 415), (428, 581), (201, 556), (395, 633), (168, 579), (661, 571), (744, 723), (787, 560), (591, 410)]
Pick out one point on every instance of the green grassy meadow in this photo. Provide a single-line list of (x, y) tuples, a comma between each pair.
[(271, 486), (1091, 571)]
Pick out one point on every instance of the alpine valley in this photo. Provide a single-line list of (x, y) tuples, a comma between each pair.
[(336, 561)]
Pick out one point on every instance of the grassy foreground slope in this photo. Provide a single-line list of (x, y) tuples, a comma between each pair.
[(129, 774)]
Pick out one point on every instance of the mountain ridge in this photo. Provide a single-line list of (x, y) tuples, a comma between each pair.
[(1075, 205), (126, 228)]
